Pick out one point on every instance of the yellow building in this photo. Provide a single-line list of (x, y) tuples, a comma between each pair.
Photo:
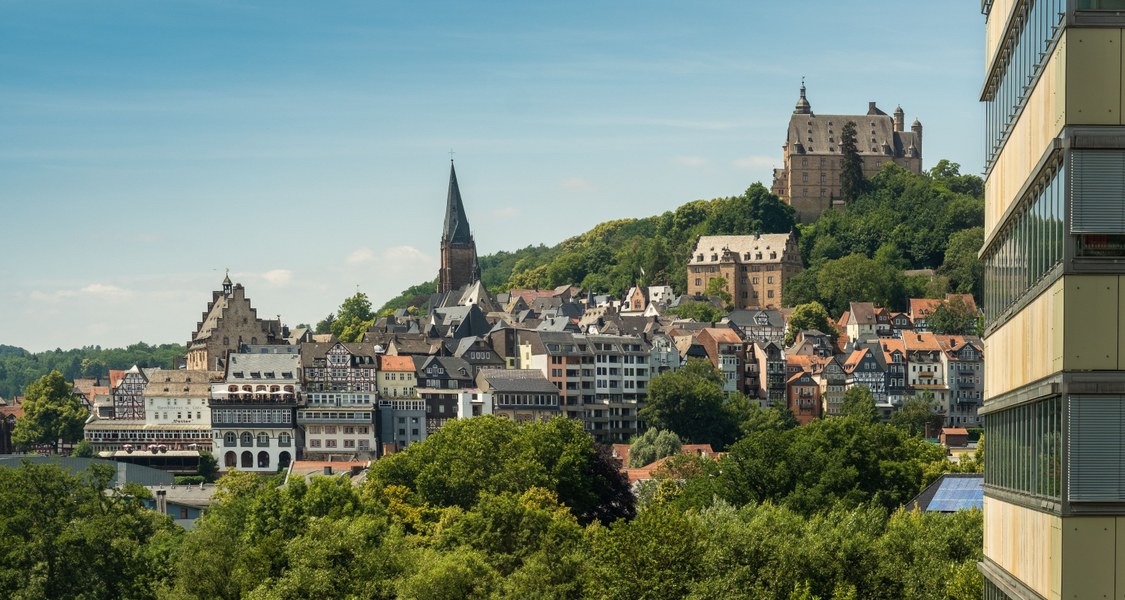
[(1054, 411)]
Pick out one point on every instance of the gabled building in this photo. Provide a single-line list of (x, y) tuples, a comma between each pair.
[(924, 369), (340, 387), (441, 380), (228, 323), (962, 358), (802, 397), (177, 410), (862, 323), (401, 417), (863, 368), (725, 351)]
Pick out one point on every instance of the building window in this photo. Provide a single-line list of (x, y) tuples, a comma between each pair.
[(1023, 452), (314, 443), (329, 443)]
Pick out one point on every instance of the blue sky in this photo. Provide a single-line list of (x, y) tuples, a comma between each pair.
[(145, 147)]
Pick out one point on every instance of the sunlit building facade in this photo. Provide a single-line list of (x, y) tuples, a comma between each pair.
[(1054, 408)]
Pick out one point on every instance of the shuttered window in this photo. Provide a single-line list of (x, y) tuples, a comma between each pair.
[(1097, 201), (1097, 451)]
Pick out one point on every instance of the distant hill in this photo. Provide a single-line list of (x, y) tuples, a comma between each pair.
[(18, 367), (902, 221)]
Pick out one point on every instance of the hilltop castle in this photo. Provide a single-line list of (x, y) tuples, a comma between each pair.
[(810, 180)]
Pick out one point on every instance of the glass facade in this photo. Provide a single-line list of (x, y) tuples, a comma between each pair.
[(1022, 56), (1029, 246), (1023, 449)]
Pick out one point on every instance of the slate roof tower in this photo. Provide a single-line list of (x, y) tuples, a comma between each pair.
[(458, 250)]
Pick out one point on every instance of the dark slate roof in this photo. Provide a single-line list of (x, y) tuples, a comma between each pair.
[(517, 380), (456, 223)]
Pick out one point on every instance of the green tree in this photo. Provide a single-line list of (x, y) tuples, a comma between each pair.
[(690, 402), (654, 556), (851, 167), (469, 457), (859, 404), (964, 269), (325, 325), (807, 317), (703, 312), (353, 318), (856, 278), (52, 413), (208, 466), (83, 449), (717, 288), (953, 317), (918, 416), (653, 445)]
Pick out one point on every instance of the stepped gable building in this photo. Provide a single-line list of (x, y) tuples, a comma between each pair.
[(810, 179), (459, 266), (755, 267), (228, 323)]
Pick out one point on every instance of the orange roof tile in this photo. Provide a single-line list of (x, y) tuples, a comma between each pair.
[(395, 363)]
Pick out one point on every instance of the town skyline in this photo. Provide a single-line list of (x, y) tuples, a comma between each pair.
[(139, 170)]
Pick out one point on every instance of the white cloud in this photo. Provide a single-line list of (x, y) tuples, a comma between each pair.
[(406, 254), (278, 276), (577, 184), (360, 256), (105, 290), (691, 161), (506, 212), (756, 162)]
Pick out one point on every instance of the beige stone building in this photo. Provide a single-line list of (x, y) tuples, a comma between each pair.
[(810, 179), (755, 267), (229, 322)]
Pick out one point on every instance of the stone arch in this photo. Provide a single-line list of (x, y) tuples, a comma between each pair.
[(247, 459), (284, 459), (263, 460), (230, 460)]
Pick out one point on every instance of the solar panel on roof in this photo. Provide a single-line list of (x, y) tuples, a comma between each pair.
[(958, 493)]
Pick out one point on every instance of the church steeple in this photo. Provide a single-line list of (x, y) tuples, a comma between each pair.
[(458, 250), (456, 224)]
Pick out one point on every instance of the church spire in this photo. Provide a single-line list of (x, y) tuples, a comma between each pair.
[(456, 224)]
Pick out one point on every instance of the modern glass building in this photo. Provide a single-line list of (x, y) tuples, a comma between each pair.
[(1054, 256)]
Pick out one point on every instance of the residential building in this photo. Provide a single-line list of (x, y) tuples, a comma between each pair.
[(813, 157), (725, 351), (459, 266), (253, 412), (176, 408), (402, 412), (337, 417), (962, 358), (925, 371), (755, 267), (864, 368), (522, 395), (603, 379), (766, 373), (1054, 389), (441, 380), (802, 397)]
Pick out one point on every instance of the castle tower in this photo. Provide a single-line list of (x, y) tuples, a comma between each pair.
[(458, 250)]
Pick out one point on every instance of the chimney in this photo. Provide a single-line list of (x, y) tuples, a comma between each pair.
[(871, 110), (162, 502)]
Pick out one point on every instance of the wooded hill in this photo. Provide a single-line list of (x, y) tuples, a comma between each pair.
[(901, 221)]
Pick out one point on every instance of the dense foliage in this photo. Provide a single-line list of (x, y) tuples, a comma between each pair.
[(52, 413), (18, 367), (901, 221), (486, 508)]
